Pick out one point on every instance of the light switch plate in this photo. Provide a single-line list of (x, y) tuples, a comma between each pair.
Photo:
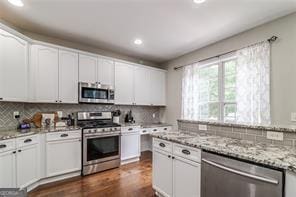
[(202, 127), (293, 116), (275, 135)]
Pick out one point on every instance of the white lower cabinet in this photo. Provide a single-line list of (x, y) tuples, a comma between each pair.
[(130, 146), (63, 154), (7, 169), (28, 165), (175, 174), (186, 181), (162, 173)]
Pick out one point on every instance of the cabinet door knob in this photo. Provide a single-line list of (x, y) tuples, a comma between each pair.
[(27, 140), (169, 156), (162, 145), (3, 146), (165, 129), (64, 135), (186, 152)]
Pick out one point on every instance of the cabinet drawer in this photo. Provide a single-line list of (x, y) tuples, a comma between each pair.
[(130, 129), (153, 130), (165, 129), (6, 145), (145, 131), (162, 145), (63, 135), (187, 152), (27, 141)]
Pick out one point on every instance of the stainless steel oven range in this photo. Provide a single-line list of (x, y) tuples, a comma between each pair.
[(101, 141)]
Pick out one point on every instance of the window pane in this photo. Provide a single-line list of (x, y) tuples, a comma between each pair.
[(208, 72), (229, 94), (209, 111), (229, 81), (230, 67), (229, 112), (213, 90)]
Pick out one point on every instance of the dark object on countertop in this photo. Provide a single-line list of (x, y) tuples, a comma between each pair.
[(24, 126), (129, 117), (116, 113)]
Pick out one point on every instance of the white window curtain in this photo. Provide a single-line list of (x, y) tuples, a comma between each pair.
[(253, 84), (190, 92)]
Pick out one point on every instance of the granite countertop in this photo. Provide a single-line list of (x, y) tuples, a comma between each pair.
[(145, 125), (14, 133), (272, 155)]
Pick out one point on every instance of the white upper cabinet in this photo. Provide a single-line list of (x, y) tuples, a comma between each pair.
[(68, 77), (105, 71), (45, 62), (87, 68), (124, 83), (158, 87), (142, 86), (13, 67)]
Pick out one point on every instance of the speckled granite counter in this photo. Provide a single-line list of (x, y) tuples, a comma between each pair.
[(272, 155), (9, 134), (145, 125)]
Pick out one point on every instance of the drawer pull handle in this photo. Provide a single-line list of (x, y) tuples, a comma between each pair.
[(1, 99), (154, 129), (130, 129), (19, 151), (3, 146), (27, 140), (186, 152), (162, 145), (64, 135), (144, 131), (165, 129)]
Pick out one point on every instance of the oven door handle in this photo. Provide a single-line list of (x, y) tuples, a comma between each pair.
[(258, 178), (90, 136)]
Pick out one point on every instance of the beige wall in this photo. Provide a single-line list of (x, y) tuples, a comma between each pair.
[(283, 71)]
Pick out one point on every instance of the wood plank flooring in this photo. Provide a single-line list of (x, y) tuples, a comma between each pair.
[(131, 180)]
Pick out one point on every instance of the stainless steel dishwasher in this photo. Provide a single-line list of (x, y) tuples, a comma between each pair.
[(226, 177)]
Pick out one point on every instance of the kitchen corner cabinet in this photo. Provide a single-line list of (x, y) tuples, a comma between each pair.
[(54, 75), (13, 67)]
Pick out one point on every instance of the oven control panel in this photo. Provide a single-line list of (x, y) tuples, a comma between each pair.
[(101, 130)]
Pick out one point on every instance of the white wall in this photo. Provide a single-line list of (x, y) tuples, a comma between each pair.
[(283, 73)]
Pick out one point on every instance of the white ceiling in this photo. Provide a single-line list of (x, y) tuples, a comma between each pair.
[(169, 28)]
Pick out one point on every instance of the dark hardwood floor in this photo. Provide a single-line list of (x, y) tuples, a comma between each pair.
[(131, 180)]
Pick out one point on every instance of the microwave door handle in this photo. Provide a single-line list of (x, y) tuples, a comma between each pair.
[(255, 177)]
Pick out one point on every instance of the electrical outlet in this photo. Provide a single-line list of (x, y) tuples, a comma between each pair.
[(16, 115), (293, 116), (275, 135), (202, 127), (60, 114)]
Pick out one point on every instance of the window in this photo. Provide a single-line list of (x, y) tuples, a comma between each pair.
[(216, 90), (229, 89)]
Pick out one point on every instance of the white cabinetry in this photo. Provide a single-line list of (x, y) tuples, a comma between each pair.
[(290, 189), (7, 168), (130, 144), (158, 87), (105, 71), (142, 86), (13, 67), (176, 169), (124, 83), (45, 68), (28, 164), (162, 173), (87, 68), (63, 153), (68, 77)]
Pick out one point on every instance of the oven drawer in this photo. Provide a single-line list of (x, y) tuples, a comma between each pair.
[(27, 141), (187, 152), (63, 135), (7, 145), (162, 145)]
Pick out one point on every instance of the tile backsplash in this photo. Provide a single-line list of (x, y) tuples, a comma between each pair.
[(27, 110), (244, 133)]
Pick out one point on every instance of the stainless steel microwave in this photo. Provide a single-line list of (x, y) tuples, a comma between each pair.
[(95, 93)]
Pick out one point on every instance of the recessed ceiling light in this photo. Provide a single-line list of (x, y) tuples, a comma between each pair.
[(199, 1), (138, 41), (17, 3)]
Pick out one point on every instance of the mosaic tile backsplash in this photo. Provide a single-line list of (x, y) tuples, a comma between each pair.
[(27, 110)]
